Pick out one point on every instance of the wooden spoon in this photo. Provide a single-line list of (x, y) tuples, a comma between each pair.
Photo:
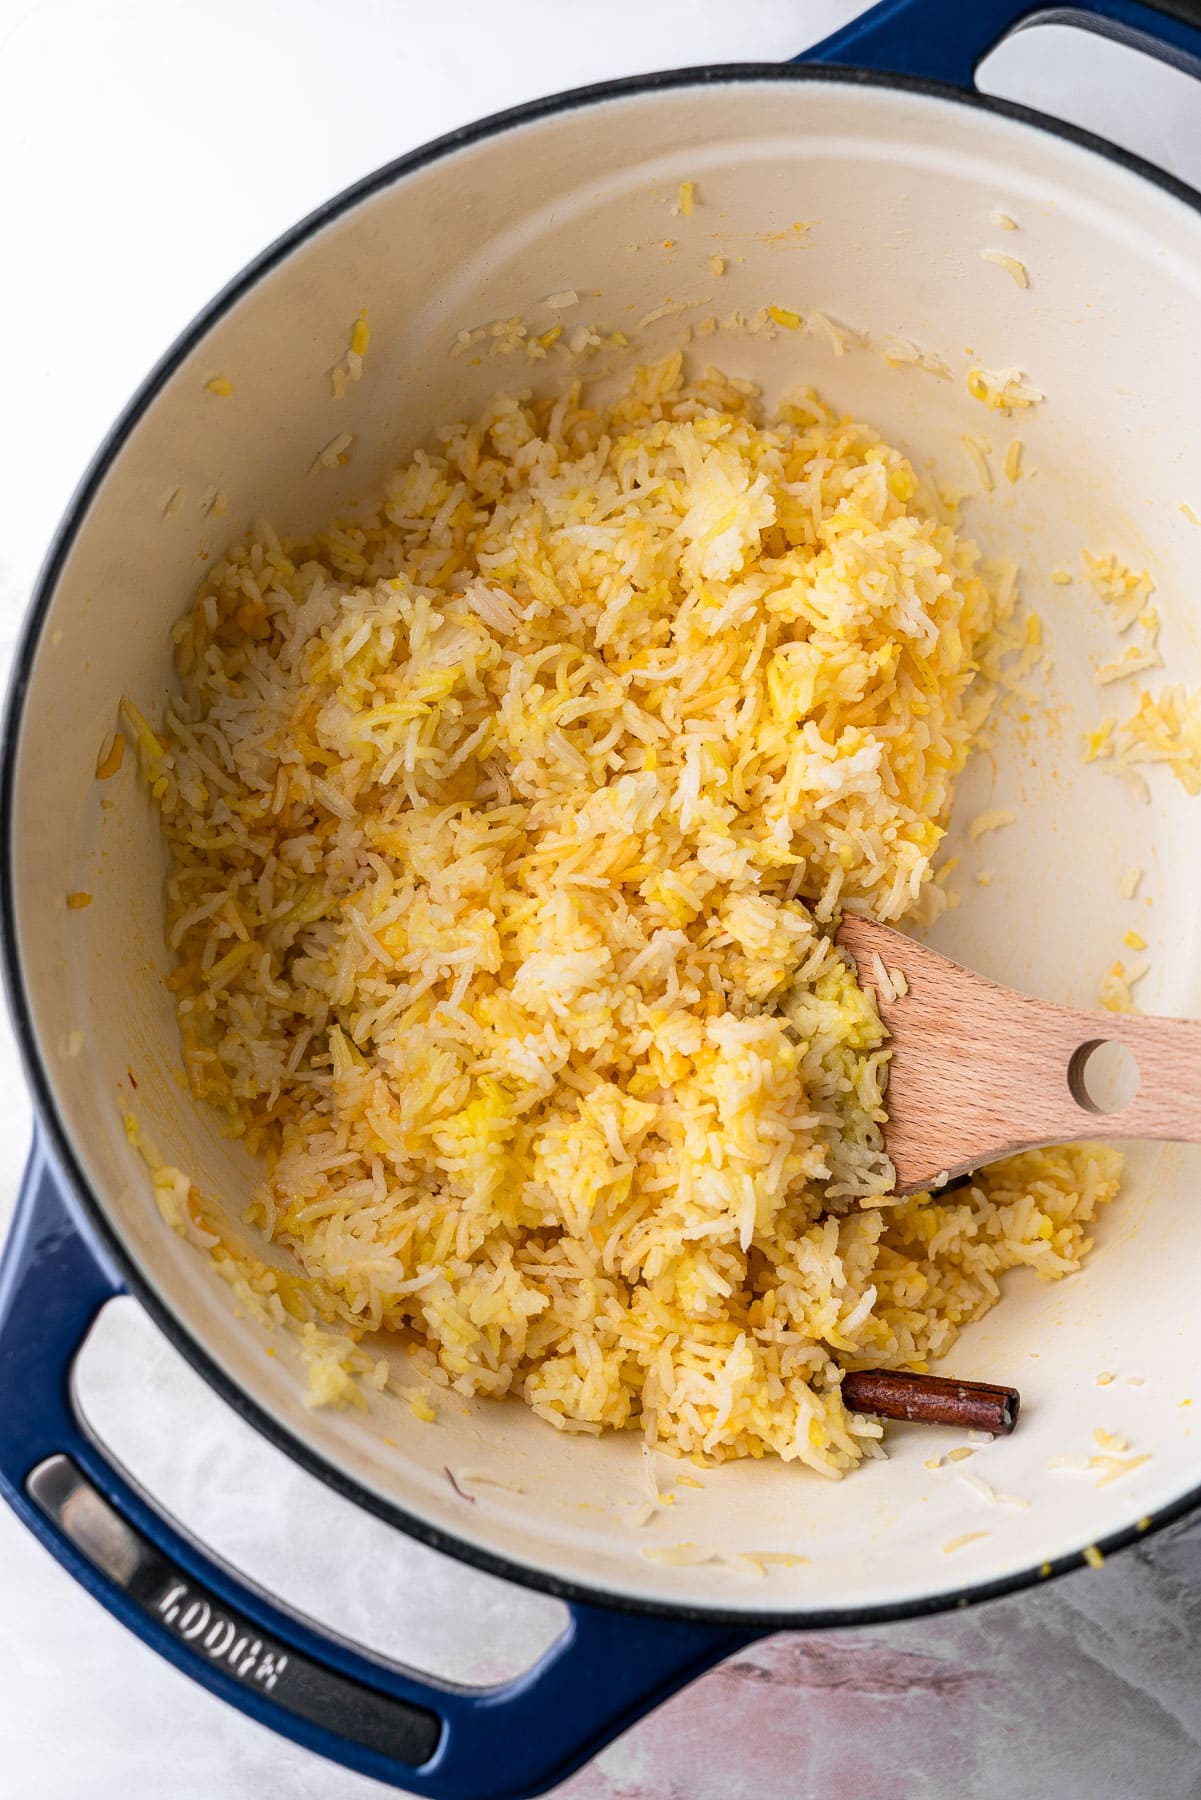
[(979, 1071)]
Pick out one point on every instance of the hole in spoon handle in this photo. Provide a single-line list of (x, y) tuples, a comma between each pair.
[(1103, 1077)]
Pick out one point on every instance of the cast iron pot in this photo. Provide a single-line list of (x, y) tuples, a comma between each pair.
[(878, 141)]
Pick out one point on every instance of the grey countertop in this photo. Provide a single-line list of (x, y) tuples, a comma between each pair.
[(134, 183)]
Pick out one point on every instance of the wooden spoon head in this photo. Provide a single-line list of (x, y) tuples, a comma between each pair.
[(959, 1088), (979, 1071)]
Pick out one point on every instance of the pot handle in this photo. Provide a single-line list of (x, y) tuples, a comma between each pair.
[(947, 40), (452, 1743)]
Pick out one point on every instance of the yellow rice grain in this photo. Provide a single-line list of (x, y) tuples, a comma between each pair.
[(490, 814)]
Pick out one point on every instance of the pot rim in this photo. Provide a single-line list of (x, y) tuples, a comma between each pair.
[(41, 1084)]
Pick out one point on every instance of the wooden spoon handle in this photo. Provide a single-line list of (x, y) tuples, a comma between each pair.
[(1168, 1054), (979, 1071)]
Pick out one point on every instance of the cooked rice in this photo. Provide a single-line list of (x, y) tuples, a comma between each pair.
[(1012, 265), (1124, 590), (489, 821), (1116, 990), (978, 453), (995, 819), (1135, 659), (333, 454), (351, 366), (990, 1495), (1165, 728), (1003, 389)]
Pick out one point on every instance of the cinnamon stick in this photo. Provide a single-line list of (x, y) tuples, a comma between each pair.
[(932, 1400)]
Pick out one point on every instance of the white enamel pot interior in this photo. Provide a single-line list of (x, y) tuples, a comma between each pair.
[(896, 185)]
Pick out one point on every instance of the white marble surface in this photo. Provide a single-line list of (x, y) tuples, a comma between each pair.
[(133, 180)]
